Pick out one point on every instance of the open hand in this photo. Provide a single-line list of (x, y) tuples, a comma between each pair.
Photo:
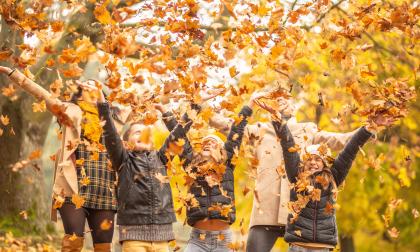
[(93, 86)]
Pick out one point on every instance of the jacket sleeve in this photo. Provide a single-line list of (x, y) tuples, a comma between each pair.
[(114, 145), (54, 105), (291, 159), (236, 133), (343, 162), (179, 132), (221, 123), (335, 141)]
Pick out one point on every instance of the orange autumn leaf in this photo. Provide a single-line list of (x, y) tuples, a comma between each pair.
[(106, 225), (39, 107), (35, 155), (4, 120), (102, 14), (233, 72), (77, 200)]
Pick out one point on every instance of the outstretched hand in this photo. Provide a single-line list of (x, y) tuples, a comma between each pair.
[(379, 121), (93, 86)]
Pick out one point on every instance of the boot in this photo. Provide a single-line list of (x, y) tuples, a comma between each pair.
[(71, 243), (102, 247)]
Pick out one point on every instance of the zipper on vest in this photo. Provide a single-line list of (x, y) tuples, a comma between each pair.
[(151, 185), (314, 223), (208, 201)]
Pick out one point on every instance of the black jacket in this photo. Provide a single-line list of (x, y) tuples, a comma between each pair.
[(315, 223), (142, 199), (213, 195)]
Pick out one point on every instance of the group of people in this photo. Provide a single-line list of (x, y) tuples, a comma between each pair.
[(297, 205)]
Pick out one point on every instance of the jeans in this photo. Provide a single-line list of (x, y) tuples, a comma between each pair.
[(262, 238), (209, 241), (294, 248)]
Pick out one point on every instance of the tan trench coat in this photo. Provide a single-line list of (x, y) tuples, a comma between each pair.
[(270, 203), (65, 176)]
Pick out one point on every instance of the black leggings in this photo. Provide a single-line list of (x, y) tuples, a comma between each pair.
[(74, 222)]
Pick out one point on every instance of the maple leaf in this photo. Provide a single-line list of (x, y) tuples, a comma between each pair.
[(39, 107), (73, 237), (162, 178), (23, 214), (106, 225), (4, 120), (393, 232), (77, 200), (102, 14), (58, 201), (35, 155)]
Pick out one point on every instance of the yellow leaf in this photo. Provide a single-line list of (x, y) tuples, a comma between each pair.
[(233, 72), (73, 237), (39, 107), (102, 14), (106, 224), (77, 200), (4, 120), (35, 155)]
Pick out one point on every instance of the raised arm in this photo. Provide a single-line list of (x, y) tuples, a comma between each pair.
[(343, 162), (54, 105), (236, 133), (335, 141), (114, 145), (178, 133), (291, 159)]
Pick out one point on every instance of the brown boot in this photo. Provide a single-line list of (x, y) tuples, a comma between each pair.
[(102, 247), (72, 243)]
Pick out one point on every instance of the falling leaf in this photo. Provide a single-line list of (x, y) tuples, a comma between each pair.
[(393, 232), (415, 213), (39, 107), (106, 225), (23, 214), (202, 236), (58, 201), (77, 200), (73, 237), (35, 155), (4, 120), (233, 72)]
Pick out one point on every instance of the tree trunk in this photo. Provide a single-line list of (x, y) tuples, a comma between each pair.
[(346, 244)]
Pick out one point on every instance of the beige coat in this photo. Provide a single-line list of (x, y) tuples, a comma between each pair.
[(65, 176), (272, 191)]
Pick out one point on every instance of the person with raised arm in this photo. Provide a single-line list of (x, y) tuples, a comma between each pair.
[(81, 173), (211, 172), (314, 176), (145, 206)]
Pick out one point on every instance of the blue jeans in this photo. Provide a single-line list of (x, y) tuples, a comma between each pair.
[(209, 241), (294, 248)]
